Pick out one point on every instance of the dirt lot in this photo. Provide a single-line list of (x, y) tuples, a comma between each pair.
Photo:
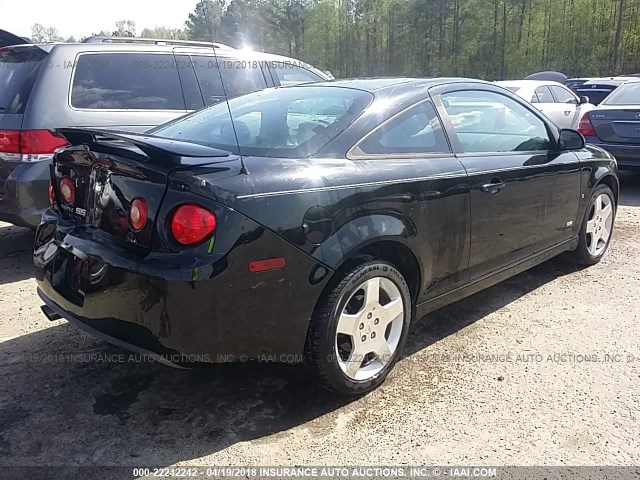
[(537, 401)]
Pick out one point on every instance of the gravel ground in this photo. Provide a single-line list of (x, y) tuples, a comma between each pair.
[(517, 374)]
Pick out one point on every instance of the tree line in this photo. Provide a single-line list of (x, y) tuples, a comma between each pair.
[(490, 39)]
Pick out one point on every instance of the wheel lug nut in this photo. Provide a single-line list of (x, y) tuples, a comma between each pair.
[(376, 321), (373, 335), (364, 338), (369, 316), (361, 327)]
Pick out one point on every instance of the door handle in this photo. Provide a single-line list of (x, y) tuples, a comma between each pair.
[(494, 187), (567, 112)]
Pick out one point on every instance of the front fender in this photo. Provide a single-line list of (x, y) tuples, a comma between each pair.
[(598, 166)]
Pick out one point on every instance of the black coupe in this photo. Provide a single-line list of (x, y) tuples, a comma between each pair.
[(317, 225)]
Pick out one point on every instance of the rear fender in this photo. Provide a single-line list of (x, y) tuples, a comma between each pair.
[(360, 232)]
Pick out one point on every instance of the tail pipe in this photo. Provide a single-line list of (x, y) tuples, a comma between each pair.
[(49, 313)]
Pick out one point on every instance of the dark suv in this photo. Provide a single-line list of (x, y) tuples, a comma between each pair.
[(128, 84)]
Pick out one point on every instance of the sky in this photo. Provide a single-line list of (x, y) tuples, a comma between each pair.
[(81, 18)]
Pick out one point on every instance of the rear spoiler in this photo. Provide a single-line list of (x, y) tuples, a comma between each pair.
[(160, 149), (8, 39)]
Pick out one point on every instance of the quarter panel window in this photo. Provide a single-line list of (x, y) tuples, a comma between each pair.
[(490, 122), (415, 131), (289, 74), (240, 77), (122, 81), (544, 95)]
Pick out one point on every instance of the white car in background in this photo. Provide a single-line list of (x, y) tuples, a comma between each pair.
[(553, 99)]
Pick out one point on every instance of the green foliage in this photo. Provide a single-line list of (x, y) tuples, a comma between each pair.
[(125, 28), (164, 33), (490, 39), (204, 22), (41, 34)]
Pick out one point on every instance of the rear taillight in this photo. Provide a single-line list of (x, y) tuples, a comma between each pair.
[(191, 224), (585, 127), (138, 213), (28, 145), (67, 190)]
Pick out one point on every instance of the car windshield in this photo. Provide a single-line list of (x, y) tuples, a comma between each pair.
[(282, 122), (626, 94)]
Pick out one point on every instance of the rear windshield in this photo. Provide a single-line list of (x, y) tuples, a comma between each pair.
[(513, 89), (627, 94), (121, 81), (596, 95), (19, 67), (283, 122)]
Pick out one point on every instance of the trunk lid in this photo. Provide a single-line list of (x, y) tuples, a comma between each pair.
[(108, 171), (617, 124)]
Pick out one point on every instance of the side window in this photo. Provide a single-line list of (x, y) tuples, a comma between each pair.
[(415, 131), (544, 95), (122, 81), (563, 95), (240, 77), (486, 121), (289, 74), (190, 88)]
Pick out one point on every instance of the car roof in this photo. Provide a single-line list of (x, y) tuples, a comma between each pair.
[(528, 83), (384, 83), (203, 48)]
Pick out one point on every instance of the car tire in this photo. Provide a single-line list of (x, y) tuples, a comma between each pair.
[(597, 227), (368, 307)]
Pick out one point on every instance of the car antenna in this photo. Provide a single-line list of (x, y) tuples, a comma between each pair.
[(243, 168)]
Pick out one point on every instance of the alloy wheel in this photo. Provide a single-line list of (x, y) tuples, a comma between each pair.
[(600, 224), (369, 328)]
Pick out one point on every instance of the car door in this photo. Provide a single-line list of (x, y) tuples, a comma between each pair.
[(567, 103), (524, 192), (544, 101), (418, 178)]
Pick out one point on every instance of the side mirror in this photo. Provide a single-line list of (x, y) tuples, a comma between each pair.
[(584, 100), (571, 140)]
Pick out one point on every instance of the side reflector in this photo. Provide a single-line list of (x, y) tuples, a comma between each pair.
[(269, 264)]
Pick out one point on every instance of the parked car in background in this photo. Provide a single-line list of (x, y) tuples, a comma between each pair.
[(615, 125), (574, 83), (130, 84), (553, 99), (597, 89), (318, 225)]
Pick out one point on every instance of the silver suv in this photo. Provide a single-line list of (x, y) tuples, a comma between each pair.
[(130, 84)]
